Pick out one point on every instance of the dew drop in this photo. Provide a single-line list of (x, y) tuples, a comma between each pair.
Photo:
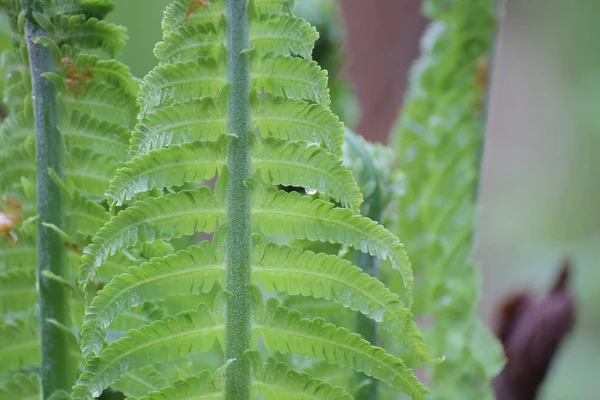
[(311, 191)]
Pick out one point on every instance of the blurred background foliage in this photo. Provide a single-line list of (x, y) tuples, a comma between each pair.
[(540, 192)]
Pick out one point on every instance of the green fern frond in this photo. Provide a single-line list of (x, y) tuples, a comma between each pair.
[(298, 272), (141, 381), (278, 35), (171, 83), (175, 215), (22, 387), (167, 167), (290, 77), (186, 272), (89, 33), (201, 119), (103, 102), (17, 290), (190, 42), (205, 119), (22, 256), (302, 217), (272, 380), (201, 387), (90, 172), (19, 345), (88, 133), (282, 269), (279, 162), (175, 12), (297, 120), (163, 340), (286, 331)]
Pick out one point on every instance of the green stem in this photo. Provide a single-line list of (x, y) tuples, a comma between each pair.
[(366, 327), (58, 372), (238, 329)]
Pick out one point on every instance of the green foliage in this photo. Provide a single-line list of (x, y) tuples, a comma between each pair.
[(181, 142), (97, 110), (438, 138)]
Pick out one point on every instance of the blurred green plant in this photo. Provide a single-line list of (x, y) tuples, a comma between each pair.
[(438, 141)]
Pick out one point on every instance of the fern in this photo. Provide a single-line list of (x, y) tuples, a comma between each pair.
[(242, 102), (95, 109), (439, 138)]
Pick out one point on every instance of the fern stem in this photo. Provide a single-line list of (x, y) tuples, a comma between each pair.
[(58, 372), (238, 247), (365, 326)]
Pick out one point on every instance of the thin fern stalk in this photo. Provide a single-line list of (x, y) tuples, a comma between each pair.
[(239, 243), (367, 327), (57, 370)]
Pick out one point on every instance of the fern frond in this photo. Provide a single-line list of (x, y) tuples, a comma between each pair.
[(298, 272), (90, 172), (170, 167), (17, 290), (22, 387), (279, 162), (89, 33), (274, 381), (277, 35), (205, 119), (162, 340), (88, 133), (283, 36), (298, 164), (112, 72), (84, 217), (141, 381), (286, 331), (19, 345), (175, 12), (23, 256), (175, 215), (295, 78), (297, 120), (302, 217), (201, 119), (171, 83), (103, 102), (290, 77), (189, 42), (186, 272), (202, 387)]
